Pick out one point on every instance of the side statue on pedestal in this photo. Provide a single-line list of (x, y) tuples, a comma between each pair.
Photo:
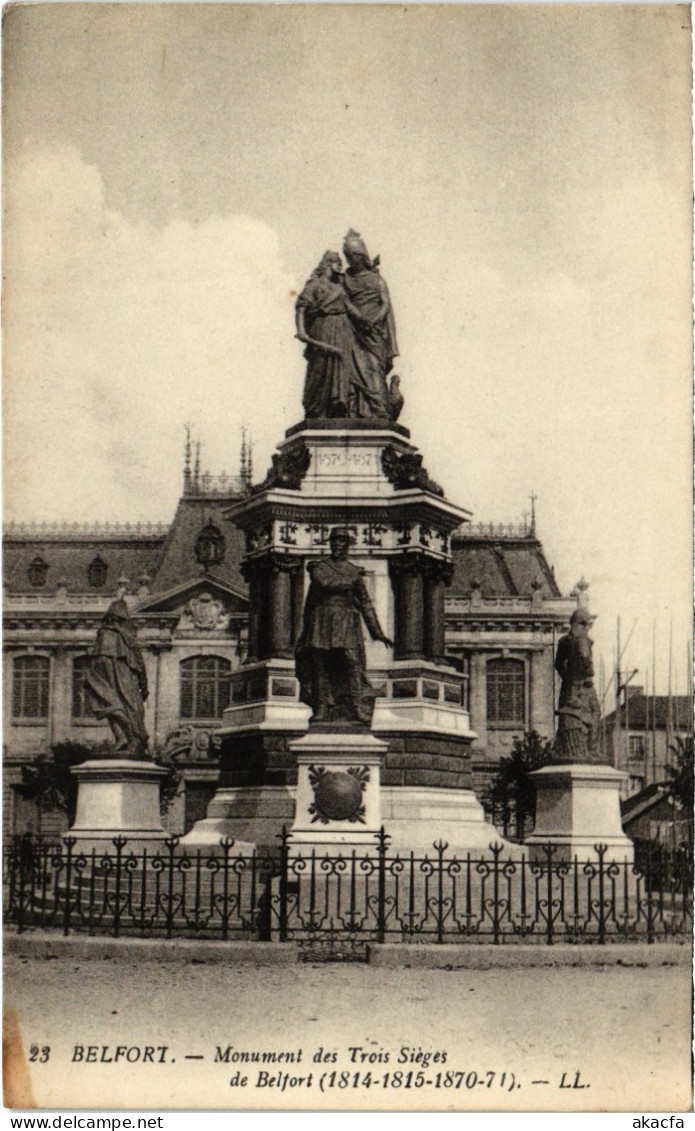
[(579, 713), (117, 681), (346, 321), (330, 658)]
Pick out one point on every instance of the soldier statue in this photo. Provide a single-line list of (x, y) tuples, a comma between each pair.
[(330, 657), (577, 738)]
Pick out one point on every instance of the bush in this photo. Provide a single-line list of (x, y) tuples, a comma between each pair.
[(510, 799)]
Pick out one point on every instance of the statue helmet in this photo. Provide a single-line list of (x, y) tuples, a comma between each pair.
[(339, 534), (353, 242)]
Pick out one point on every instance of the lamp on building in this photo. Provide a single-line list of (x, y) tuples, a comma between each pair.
[(210, 546)]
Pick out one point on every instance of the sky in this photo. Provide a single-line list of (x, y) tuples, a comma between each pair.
[(172, 174)]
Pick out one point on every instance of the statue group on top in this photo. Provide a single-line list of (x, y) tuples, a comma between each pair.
[(346, 321)]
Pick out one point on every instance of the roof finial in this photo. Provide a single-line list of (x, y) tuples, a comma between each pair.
[(533, 496), (249, 464), (187, 461), (196, 470), (242, 467)]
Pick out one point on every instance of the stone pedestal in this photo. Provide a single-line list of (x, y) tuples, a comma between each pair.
[(118, 797), (366, 476), (415, 817), (578, 807), (250, 816), (338, 796)]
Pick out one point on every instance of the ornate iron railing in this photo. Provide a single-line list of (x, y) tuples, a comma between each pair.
[(164, 891), (345, 900)]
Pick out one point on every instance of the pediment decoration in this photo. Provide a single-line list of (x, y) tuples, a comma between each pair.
[(206, 613), (204, 604)]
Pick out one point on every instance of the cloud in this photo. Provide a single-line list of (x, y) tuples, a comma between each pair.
[(118, 331)]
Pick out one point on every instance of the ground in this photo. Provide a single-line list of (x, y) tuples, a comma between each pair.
[(616, 1038)]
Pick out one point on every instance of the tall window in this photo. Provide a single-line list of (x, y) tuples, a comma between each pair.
[(204, 687), (505, 692), (81, 700), (636, 745), (38, 571), (30, 687)]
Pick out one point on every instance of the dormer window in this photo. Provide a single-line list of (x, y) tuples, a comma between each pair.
[(209, 546), (37, 572), (96, 572)]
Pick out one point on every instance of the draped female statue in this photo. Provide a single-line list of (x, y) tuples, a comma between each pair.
[(117, 681)]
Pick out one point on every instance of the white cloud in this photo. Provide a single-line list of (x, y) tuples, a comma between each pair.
[(117, 332)]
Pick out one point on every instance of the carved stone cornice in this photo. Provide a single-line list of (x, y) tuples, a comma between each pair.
[(411, 563), (273, 561), (435, 569)]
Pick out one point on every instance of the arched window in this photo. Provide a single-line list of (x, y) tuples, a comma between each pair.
[(204, 687), (506, 692), (96, 572), (38, 570), (81, 700), (30, 687)]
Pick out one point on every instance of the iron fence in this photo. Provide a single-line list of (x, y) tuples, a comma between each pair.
[(336, 903), (159, 893)]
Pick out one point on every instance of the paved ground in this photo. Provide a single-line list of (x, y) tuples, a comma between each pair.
[(623, 1034)]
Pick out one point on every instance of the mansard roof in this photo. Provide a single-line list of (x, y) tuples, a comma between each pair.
[(178, 563), (68, 550), (502, 561)]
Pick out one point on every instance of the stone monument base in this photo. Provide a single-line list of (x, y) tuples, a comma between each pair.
[(415, 817), (578, 807), (338, 802), (118, 797), (251, 815)]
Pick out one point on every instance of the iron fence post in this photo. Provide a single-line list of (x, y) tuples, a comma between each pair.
[(382, 844), (69, 842), (601, 850), (226, 843), (119, 843), (18, 859), (440, 848), (650, 905), (170, 844), (549, 850), (284, 864)]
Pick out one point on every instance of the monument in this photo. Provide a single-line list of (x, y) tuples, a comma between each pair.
[(327, 732), (578, 796), (118, 792)]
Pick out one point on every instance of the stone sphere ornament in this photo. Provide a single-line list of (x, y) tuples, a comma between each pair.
[(338, 795)]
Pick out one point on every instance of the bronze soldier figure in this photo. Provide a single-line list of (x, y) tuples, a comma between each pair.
[(331, 662)]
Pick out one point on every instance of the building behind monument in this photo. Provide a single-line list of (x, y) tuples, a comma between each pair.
[(504, 614)]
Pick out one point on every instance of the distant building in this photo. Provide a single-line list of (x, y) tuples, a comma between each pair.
[(638, 736), (504, 615)]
